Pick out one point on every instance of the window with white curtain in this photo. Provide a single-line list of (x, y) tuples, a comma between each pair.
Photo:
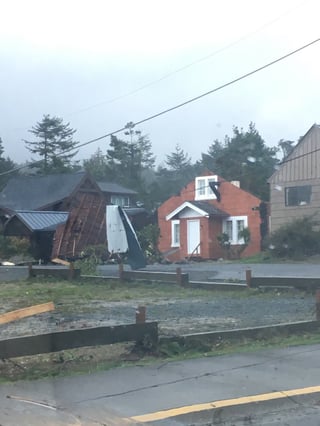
[(232, 226)]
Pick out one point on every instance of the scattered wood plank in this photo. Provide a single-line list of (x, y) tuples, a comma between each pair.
[(26, 312), (60, 261)]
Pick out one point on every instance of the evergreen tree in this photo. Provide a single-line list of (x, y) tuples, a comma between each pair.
[(6, 165), (244, 157), (178, 160), (54, 145), (97, 166), (179, 172), (286, 147), (128, 159)]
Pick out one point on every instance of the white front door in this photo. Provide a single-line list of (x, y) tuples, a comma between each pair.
[(193, 230)]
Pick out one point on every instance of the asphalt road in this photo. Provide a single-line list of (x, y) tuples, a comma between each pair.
[(139, 390), (210, 271), (198, 271)]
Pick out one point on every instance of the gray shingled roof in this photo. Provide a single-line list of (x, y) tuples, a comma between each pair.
[(34, 192), (209, 208), (134, 211), (114, 188), (41, 220)]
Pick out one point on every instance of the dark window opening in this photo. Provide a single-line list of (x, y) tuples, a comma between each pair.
[(298, 195)]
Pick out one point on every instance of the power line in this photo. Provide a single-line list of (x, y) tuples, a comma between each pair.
[(191, 64), (189, 101), (229, 83)]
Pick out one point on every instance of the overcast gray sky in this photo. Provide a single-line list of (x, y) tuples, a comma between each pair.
[(82, 60)]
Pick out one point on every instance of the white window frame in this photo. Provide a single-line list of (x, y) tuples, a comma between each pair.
[(124, 200), (175, 242), (235, 219), (202, 188), (225, 228)]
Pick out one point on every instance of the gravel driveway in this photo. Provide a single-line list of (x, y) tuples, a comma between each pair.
[(222, 311)]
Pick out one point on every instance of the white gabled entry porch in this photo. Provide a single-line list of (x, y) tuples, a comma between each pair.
[(193, 227), (191, 214)]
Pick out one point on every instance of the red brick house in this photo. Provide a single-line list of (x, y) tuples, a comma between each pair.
[(191, 222)]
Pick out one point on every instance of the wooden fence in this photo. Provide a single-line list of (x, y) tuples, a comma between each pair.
[(303, 283), (66, 273), (62, 340), (166, 277)]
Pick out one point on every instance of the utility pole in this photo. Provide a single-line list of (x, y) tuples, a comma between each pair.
[(130, 132)]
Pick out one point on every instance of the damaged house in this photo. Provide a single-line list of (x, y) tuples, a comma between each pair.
[(61, 214)]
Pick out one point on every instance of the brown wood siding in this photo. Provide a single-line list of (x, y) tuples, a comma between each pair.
[(85, 226), (304, 170)]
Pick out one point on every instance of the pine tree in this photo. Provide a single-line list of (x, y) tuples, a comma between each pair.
[(128, 159), (54, 144), (244, 157), (97, 166), (6, 165), (178, 160)]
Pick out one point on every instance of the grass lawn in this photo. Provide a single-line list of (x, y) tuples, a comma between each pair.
[(74, 296), (101, 358)]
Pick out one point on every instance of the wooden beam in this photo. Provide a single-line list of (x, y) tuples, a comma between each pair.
[(53, 271), (168, 277), (305, 283), (26, 312), (60, 261), (62, 340)]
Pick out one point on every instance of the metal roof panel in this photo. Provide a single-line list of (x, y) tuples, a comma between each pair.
[(41, 220)]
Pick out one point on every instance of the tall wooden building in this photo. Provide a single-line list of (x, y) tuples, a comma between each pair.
[(295, 186)]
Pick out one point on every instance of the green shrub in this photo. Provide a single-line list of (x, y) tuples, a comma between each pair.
[(148, 238), (296, 239), (236, 251), (224, 243), (92, 256), (13, 246)]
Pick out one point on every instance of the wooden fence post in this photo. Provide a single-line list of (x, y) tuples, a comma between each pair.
[(141, 315), (318, 304), (71, 271), (30, 272), (248, 277), (121, 271), (179, 276)]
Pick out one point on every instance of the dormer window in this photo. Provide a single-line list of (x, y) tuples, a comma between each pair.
[(202, 188)]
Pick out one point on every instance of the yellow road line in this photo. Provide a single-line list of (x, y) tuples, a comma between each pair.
[(173, 412)]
